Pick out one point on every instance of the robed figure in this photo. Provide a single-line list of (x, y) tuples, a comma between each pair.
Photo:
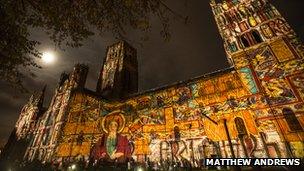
[(112, 147)]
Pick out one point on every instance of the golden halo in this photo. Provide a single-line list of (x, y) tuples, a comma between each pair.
[(113, 116)]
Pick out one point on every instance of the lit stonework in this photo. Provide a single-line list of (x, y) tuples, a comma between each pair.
[(119, 74), (252, 109), (29, 114), (48, 127)]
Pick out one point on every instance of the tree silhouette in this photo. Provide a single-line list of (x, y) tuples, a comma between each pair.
[(68, 22)]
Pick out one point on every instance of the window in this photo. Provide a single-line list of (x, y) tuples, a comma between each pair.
[(243, 26), (218, 10), (240, 126), (252, 22), (262, 16), (269, 12), (251, 38), (291, 119), (256, 36), (222, 21), (244, 41), (228, 20), (243, 11)]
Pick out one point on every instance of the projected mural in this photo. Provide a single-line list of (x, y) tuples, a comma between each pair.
[(182, 123), (252, 109)]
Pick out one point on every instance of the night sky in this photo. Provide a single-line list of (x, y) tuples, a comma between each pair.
[(194, 49)]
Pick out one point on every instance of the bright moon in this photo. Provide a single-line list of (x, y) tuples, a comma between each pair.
[(48, 57)]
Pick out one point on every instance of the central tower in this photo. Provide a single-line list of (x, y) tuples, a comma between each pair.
[(119, 74)]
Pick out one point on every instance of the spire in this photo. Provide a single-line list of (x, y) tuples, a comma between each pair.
[(31, 99), (79, 75), (63, 77), (39, 100)]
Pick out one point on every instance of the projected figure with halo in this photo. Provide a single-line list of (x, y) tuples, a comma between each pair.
[(112, 146)]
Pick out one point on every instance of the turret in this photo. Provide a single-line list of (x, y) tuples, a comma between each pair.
[(63, 77), (29, 114), (79, 75), (40, 98)]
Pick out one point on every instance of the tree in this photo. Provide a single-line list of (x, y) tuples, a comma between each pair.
[(68, 22)]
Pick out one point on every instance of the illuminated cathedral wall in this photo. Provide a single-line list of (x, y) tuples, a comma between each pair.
[(259, 100), (44, 137), (186, 121), (257, 36)]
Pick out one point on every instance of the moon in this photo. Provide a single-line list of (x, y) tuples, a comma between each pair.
[(48, 57)]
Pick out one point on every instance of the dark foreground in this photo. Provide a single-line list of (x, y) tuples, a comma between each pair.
[(84, 166)]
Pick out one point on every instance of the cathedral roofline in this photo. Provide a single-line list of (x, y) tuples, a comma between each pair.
[(178, 83), (185, 82)]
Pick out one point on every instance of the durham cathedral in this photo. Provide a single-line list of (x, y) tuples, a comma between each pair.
[(253, 109)]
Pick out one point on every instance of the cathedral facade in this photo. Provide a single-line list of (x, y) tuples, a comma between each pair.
[(255, 108)]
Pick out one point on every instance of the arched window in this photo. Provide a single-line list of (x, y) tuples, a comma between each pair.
[(257, 37), (268, 11), (262, 16), (240, 126), (243, 26), (243, 11), (244, 41), (252, 22), (218, 10), (219, 21), (222, 20), (291, 119)]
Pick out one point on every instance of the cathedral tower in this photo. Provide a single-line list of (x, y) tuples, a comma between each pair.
[(43, 142), (119, 74), (25, 127), (248, 24), (78, 76), (29, 115), (258, 40)]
